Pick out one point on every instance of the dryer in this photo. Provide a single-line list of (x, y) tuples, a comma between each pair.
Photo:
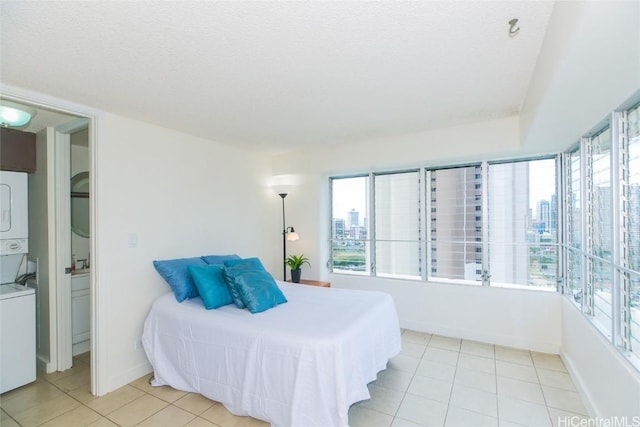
[(14, 207)]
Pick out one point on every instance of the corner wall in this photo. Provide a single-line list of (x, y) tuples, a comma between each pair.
[(509, 317), (608, 384)]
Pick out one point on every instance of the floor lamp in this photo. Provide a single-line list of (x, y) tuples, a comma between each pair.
[(288, 233)]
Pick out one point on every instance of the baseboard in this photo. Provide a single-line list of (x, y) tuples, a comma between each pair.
[(81, 347), (483, 336), (578, 381), (129, 376), (44, 365)]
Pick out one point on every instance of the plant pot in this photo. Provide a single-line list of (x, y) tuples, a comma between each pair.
[(295, 275)]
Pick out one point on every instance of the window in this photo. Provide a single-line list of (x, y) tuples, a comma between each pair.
[(523, 223), (574, 231), (602, 228), (454, 205), (633, 226), (349, 234), (397, 225)]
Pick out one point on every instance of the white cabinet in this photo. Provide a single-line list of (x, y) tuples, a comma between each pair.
[(80, 312)]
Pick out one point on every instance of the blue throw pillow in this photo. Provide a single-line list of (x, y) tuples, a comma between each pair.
[(218, 259), (211, 285), (258, 290), (176, 273)]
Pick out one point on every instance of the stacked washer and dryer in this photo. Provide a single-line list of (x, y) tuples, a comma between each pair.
[(17, 301)]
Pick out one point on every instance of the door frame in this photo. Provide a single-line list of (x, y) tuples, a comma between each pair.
[(98, 369), (62, 197)]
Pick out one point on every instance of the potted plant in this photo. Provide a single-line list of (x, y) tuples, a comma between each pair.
[(295, 263)]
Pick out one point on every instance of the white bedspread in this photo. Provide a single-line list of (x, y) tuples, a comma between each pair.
[(302, 363)]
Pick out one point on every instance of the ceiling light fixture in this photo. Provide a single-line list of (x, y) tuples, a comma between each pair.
[(15, 116), (513, 27)]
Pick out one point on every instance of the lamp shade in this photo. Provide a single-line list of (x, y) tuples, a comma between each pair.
[(292, 236), (14, 117)]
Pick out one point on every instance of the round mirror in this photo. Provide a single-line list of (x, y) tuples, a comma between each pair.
[(80, 204)]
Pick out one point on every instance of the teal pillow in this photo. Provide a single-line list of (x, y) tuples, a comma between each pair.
[(258, 290), (211, 285), (176, 273), (234, 267)]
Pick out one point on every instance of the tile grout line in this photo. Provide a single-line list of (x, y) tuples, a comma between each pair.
[(67, 394), (453, 381)]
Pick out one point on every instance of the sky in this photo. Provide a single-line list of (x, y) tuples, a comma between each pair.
[(542, 182), (349, 194)]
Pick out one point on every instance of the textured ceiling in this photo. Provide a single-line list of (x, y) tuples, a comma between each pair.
[(279, 75)]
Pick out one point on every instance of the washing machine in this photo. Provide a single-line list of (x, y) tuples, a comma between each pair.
[(17, 336)]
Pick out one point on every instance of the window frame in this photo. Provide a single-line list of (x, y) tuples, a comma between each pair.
[(428, 222)]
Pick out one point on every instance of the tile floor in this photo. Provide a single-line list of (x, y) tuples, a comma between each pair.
[(435, 381)]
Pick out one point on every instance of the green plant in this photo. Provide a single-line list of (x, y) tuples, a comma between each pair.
[(295, 262)]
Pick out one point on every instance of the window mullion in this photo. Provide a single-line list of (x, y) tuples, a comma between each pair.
[(486, 273), (562, 207), (372, 225), (425, 218), (586, 190)]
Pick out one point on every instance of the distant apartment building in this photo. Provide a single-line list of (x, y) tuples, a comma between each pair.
[(456, 223), (338, 228), (353, 219)]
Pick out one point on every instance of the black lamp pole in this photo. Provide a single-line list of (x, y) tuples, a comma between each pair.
[(284, 240)]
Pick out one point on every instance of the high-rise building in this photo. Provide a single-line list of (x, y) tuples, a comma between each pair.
[(338, 228), (544, 216), (456, 223), (353, 219), (554, 212)]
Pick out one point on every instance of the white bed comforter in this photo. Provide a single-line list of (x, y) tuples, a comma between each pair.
[(302, 363)]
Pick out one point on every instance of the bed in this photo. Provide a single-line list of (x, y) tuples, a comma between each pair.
[(303, 363)]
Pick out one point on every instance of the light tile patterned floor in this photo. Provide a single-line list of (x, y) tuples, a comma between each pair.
[(435, 381)]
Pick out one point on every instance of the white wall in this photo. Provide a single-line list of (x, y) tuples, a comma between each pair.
[(608, 383), (589, 64), (178, 196), (469, 142), (509, 317)]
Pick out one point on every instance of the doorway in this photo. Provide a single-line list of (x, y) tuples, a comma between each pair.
[(64, 144)]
